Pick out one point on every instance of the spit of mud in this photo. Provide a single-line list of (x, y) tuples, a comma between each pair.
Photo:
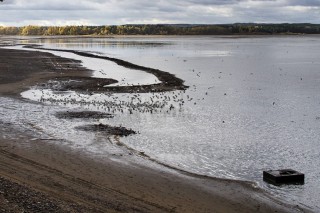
[(107, 129), (83, 115)]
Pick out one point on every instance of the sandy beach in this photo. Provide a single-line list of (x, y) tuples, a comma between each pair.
[(36, 176)]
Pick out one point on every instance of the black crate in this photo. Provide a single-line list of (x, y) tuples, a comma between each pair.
[(283, 176)]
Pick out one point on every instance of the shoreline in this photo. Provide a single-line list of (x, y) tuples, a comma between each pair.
[(80, 182), (71, 179)]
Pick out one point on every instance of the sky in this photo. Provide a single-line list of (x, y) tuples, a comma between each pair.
[(118, 12)]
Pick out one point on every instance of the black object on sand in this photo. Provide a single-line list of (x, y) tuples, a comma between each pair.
[(283, 176)]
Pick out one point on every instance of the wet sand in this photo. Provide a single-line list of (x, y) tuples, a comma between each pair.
[(37, 176)]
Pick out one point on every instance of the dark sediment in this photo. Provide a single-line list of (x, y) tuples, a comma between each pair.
[(26, 62), (22, 69), (83, 115), (107, 129)]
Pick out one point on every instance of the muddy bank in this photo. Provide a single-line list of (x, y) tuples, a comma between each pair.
[(22, 69), (169, 82), (19, 69)]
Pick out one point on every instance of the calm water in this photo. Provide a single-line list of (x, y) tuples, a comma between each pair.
[(253, 104)]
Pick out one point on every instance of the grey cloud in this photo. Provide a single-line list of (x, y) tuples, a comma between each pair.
[(224, 2), (47, 5), (214, 2), (310, 3)]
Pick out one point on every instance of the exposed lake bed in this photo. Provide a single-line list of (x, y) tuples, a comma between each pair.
[(249, 104)]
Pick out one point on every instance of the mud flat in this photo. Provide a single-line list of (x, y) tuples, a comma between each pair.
[(169, 82), (40, 176)]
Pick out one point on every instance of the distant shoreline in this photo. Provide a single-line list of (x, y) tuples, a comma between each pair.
[(166, 29)]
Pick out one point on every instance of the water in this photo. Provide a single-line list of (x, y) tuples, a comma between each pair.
[(253, 104)]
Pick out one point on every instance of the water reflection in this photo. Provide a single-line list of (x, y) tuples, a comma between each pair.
[(96, 42)]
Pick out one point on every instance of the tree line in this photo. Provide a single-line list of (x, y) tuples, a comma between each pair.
[(226, 29)]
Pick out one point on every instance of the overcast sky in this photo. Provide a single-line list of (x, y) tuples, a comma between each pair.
[(115, 12)]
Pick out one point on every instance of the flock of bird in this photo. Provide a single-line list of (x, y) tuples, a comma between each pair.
[(120, 103), (162, 102), (126, 103)]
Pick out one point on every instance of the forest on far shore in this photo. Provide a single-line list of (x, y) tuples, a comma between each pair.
[(164, 29)]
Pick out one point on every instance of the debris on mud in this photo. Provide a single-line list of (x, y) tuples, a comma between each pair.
[(110, 130)]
